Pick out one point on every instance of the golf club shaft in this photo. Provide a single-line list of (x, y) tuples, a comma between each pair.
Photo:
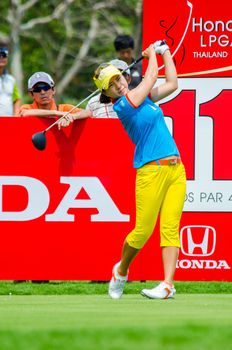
[(79, 103), (133, 63), (88, 97)]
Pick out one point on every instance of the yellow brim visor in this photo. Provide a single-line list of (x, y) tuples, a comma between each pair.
[(103, 80)]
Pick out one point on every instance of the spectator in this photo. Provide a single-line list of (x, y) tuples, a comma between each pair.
[(105, 110), (10, 100), (124, 45), (41, 88)]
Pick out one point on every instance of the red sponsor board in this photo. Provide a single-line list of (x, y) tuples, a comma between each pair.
[(198, 33), (199, 115), (65, 211)]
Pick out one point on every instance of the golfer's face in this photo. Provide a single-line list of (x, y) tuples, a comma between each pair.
[(118, 86), (42, 93)]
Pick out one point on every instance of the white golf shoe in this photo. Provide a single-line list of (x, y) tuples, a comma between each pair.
[(162, 291), (117, 283)]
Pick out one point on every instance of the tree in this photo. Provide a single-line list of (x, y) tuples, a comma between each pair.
[(66, 38)]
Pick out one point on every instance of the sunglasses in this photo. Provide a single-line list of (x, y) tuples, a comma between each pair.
[(39, 88), (3, 53)]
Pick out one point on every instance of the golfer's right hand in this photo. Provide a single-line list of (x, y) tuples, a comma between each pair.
[(150, 50)]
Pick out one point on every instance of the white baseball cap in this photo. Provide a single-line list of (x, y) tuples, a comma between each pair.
[(121, 65), (40, 77)]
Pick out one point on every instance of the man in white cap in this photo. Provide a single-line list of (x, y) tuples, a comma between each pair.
[(105, 110), (41, 88)]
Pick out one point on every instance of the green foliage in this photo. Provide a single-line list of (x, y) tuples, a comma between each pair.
[(54, 46)]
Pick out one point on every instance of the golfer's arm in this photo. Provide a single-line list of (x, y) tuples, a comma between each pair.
[(171, 82), (138, 94)]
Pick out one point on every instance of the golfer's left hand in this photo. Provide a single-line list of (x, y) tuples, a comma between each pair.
[(160, 47)]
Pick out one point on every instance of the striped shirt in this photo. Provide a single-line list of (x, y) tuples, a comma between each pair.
[(101, 110)]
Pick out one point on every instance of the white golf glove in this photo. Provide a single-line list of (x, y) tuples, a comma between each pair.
[(160, 47)]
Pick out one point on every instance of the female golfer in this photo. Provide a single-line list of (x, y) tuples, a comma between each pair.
[(160, 177)]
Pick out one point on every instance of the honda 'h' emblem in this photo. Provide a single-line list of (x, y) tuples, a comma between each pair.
[(197, 240)]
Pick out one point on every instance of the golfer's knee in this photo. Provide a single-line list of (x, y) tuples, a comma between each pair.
[(137, 239), (169, 237)]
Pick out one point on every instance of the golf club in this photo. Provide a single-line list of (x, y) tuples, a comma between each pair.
[(39, 138)]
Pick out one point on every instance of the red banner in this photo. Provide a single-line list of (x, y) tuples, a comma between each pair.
[(199, 34), (65, 211), (199, 116)]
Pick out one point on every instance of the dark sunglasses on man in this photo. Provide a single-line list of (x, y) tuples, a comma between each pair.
[(4, 52), (40, 87)]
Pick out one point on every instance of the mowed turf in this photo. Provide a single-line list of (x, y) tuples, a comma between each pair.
[(68, 322)]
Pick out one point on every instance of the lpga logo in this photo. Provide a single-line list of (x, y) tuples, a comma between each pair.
[(199, 241)]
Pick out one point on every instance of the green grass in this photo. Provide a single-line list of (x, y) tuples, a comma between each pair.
[(83, 287), (196, 321), (80, 316)]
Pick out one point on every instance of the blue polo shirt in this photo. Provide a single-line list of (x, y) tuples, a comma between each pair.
[(147, 129)]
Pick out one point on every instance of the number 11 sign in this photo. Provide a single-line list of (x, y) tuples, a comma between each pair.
[(199, 116)]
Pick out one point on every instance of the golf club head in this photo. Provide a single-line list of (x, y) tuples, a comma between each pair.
[(39, 140)]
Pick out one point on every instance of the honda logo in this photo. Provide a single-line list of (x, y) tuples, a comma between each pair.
[(197, 240)]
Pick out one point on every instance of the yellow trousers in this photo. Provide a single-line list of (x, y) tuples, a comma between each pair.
[(159, 189)]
